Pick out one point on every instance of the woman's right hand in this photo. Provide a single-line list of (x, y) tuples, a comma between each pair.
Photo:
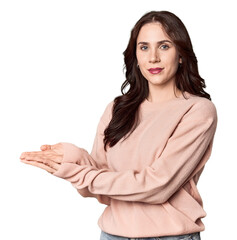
[(49, 159)]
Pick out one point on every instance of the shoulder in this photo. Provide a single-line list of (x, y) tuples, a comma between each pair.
[(107, 114), (201, 108)]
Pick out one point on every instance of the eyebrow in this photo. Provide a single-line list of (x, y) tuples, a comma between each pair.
[(160, 42)]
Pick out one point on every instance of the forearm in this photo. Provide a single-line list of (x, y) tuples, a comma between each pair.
[(101, 198), (189, 146), (79, 156)]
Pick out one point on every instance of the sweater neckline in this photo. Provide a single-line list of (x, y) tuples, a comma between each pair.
[(150, 105)]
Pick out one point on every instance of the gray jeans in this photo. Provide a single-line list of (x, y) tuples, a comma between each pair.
[(191, 236)]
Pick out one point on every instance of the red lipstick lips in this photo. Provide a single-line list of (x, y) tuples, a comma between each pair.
[(155, 70)]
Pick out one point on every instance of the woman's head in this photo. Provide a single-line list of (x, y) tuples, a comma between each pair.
[(174, 29), (157, 56), (178, 65)]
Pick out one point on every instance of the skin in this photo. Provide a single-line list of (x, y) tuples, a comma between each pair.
[(155, 49), (151, 53), (49, 158)]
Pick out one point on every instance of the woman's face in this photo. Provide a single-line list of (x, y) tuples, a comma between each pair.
[(157, 56)]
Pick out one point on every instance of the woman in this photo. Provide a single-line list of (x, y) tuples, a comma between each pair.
[(152, 142)]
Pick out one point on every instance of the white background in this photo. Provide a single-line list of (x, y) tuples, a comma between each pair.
[(61, 63)]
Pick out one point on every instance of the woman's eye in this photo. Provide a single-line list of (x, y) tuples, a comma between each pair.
[(164, 47), (144, 48)]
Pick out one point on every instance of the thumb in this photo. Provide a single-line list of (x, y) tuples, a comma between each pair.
[(45, 147)]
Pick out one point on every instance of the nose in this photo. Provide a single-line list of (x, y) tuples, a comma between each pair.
[(154, 56)]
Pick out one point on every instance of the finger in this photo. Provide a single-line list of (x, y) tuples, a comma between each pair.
[(25, 154), (40, 165), (36, 154), (35, 157), (45, 147), (31, 155), (43, 157), (22, 156)]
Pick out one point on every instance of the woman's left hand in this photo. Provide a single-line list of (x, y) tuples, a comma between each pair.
[(49, 159)]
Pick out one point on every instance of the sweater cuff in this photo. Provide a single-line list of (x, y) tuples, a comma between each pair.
[(62, 171), (79, 175), (72, 153)]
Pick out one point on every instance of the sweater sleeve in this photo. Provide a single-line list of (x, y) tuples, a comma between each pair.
[(97, 157), (188, 145)]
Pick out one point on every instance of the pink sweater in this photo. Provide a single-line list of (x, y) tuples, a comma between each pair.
[(149, 180)]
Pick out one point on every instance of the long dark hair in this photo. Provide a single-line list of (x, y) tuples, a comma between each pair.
[(125, 109)]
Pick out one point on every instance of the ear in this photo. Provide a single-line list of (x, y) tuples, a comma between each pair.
[(180, 60)]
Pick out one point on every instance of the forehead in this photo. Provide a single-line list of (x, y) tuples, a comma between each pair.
[(152, 32)]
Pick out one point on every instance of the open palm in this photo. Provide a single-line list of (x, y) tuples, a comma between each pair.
[(49, 158)]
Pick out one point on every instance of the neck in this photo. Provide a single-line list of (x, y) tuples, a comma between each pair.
[(163, 94)]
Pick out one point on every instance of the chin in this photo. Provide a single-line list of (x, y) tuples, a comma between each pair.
[(156, 81)]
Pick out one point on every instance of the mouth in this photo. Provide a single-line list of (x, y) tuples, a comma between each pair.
[(155, 70)]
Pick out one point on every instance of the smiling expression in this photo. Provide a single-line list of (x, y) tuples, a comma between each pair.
[(157, 56)]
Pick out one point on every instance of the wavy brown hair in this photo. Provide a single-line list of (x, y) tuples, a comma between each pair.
[(125, 109)]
